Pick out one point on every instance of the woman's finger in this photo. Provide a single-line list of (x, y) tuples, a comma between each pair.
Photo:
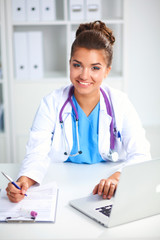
[(101, 186), (95, 190), (13, 189), (13, 197), (106, 189), (111, 190)]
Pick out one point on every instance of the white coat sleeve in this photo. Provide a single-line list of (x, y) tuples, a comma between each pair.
[(36, 161), (134, 141)]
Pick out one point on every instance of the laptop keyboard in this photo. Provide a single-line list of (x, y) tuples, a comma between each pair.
[(106, 210)]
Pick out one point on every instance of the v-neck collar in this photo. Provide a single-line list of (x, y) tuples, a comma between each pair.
[(80, 110)]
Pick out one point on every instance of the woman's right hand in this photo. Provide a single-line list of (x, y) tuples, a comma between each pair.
[(16, 195)]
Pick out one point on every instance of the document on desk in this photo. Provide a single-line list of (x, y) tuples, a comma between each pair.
[(40, 199)]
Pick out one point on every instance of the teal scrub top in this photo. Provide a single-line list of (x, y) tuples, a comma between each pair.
[(88, 136)]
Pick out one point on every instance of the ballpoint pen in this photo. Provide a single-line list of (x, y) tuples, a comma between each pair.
[(10, 179)]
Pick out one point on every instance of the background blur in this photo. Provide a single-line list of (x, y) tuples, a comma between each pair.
[(136, 65)]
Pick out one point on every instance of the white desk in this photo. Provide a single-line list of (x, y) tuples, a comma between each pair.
[(75, 181)]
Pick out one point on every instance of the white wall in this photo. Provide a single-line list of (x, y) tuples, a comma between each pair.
[(143, 44)]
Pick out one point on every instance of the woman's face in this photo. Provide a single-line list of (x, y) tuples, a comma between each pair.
[(88, 68)]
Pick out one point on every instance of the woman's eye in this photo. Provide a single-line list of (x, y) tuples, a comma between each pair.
[(96, 68), (76, 65)]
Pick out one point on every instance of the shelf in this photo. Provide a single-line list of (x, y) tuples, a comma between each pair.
[(53, 48), (47, 76), (39, 23), (108, 21), (24, 95)]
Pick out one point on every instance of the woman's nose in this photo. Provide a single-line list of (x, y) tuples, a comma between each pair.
[(84, 74)]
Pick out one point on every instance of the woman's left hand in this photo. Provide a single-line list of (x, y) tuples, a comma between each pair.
[(107, 187)]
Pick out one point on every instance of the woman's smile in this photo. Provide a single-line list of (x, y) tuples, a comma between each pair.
[(84, 84), (88, 68)]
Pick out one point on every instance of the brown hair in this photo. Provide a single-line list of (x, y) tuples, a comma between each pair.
[(95, 35)]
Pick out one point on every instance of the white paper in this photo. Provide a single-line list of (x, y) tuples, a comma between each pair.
[(41, 199)]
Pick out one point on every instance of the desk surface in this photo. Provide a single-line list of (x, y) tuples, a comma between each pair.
[(75, 181)]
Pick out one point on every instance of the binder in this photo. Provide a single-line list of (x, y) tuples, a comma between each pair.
[(21, 55), (48, 10), (93, 9), (35, 55), (76, 9), (33, 10), (19, 10)]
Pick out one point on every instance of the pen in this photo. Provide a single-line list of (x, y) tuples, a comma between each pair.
[(10, 179)]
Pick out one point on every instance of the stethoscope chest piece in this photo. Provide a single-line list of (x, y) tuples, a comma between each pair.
[(112, 156)]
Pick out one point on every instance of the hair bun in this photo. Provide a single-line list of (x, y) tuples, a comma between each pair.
[(97, 26)]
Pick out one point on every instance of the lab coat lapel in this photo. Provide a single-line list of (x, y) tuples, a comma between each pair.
[(67, 118), (104, 129)]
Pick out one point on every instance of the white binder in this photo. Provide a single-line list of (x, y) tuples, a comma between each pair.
[(21, 55), (48, 10), (35, 50), (19, 10), (93, 9), (76, 9), (33, 10)]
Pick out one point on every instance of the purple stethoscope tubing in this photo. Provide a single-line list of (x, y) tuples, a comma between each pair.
[(109, 111), (69, 99)]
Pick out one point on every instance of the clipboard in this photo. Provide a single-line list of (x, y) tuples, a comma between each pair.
[(19, 220), (41, 199)]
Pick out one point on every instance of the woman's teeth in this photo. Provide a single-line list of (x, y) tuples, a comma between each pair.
[(84, 83)]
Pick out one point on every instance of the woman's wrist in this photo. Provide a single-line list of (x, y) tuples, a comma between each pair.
[(27, 179), (117, 175)]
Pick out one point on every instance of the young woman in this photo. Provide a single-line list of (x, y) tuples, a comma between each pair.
[(84, 122)]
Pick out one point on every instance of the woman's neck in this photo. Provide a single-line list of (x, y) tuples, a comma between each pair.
[(87, 102)]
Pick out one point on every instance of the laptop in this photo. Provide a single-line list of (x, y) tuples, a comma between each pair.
[(137, 196)]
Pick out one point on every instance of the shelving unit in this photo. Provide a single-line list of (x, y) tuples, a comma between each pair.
[(4, 106), (25, 95)]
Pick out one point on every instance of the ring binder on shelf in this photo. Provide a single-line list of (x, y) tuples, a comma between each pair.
[(93, 9), (76, 9)]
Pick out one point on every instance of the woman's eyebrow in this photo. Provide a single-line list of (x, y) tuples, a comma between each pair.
[(76, 61), (96, 64), (93, 64)]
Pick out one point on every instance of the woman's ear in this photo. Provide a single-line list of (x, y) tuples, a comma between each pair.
[(107, 71)]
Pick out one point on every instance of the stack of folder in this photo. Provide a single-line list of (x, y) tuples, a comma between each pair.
[(28, 49), (33, 10)]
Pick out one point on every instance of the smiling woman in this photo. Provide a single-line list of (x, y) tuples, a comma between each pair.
[(87, 70), (85, 122)]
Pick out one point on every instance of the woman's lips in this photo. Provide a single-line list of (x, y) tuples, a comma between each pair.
[(84, 83)]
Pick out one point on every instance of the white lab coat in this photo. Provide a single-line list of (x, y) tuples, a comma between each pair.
[(46, 143)]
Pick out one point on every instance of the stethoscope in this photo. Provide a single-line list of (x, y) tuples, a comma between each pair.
[(112, 155)]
